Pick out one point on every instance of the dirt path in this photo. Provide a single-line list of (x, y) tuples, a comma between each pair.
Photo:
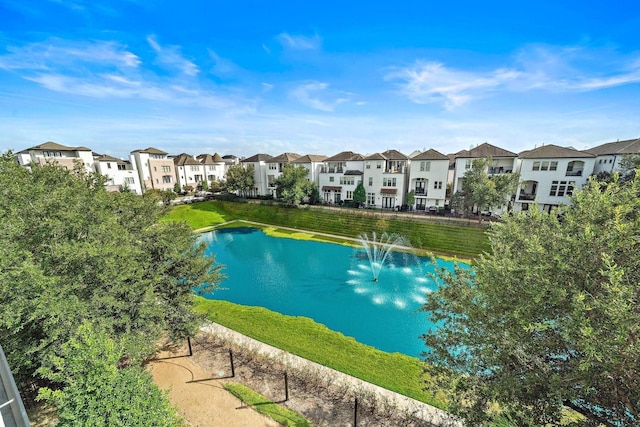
[(201, 403)]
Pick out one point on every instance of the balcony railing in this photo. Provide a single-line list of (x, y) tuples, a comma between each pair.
[(574, 173), (395, 170), (420, 191), (331, 170), (527, 196)]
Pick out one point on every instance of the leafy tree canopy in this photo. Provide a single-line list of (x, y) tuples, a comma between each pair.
[(550, 319), (359, 194), (293, 185), (240, 179), (481, 191), (71, 251)]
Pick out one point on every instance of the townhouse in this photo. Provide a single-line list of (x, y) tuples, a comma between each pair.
[(339, 176), (549, 174), (121, 174), (189, 171), (428, 174), (385, 179), (502, 161), (214, 167), (312, 163), (259, 164), (609, 155), (51, 152), (155, 169), (275, 167)]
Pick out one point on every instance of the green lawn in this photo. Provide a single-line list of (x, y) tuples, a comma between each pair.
[(314, 341), (455, 240)]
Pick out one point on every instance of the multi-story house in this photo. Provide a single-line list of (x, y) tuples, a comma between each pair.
[(312, 163), (155, 169), (339, 176), (549, 174), (428, 173), (259, 164), (385, 179), (230, 160), (275, 167), (189, 172), (609, 155), (51, 152), (213, 167), (502, 161), (120, 173)]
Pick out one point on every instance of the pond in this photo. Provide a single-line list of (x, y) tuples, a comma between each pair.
[(329, 283)]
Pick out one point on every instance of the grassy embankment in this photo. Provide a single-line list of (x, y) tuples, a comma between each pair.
[(301, 336)]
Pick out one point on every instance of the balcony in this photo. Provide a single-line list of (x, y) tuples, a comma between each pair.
[(401, 169), (574, 173), (325, 169), (420, 191), (527, 196)]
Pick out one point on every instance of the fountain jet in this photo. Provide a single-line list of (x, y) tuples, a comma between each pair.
[(377, 249)]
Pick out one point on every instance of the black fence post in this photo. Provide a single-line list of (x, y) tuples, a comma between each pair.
[(189, 344), (286, 387), (355, 413), (233, 371)]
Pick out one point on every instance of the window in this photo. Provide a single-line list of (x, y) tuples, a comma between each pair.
[(553, 166), (156, 156), (129, 180), (600, 161), (349, 195), (562, 188), (194, 168), (371, 198), (122, 167), (212, 167), (544, 166), (330, 179), (388, 182), (425, 166), (198, 178), (437, 185), (536, 166), (273, 166), (166, 179), (52, 154), (368, 165), (166, 168), (347, 180), (108, 165), (155, 169), (467, 164), (370, 181), (379, 165)]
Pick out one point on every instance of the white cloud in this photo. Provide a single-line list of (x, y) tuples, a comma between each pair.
[(308, 94), (171, 57), (299, 42)]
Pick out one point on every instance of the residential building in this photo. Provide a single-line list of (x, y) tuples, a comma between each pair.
[(502, 161), (339, 176), (313, 163), (213, 166), (275, 167), (549, 174), (120, 173), (428, 174), (155, 169), (386, 178), (259, 164), (189, 171), (51, 152), (609, 155)]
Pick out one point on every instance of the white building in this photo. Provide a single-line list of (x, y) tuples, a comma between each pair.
[(51, 152), (339, 176), (259, 164), (275, 167), (609, 155), (549, 174), (214, 167), (503, 161), (189, 171), (386, 178), (312, 163), (120, 173), (428, 173)]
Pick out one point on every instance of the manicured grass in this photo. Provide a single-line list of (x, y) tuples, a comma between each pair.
[(457, 240), (265, 406), (314, 341)]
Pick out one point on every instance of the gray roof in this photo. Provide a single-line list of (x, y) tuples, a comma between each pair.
[(185, 159), (483, 151), (55, 146), (310, 158), (430, 154), (284, 158), (150, 150), (345, 156), (257, 158), (553, 152), (629, 146)]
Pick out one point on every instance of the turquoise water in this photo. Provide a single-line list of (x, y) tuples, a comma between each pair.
[(330, 283)]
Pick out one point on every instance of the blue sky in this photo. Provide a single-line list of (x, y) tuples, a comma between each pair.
[(247, 77)]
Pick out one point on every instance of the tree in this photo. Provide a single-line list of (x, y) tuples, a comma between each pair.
[(549, 319), (483, 192), (240, 179), (71, 251), (359, 194), (410, 199), (99, 390), (292, 185)]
